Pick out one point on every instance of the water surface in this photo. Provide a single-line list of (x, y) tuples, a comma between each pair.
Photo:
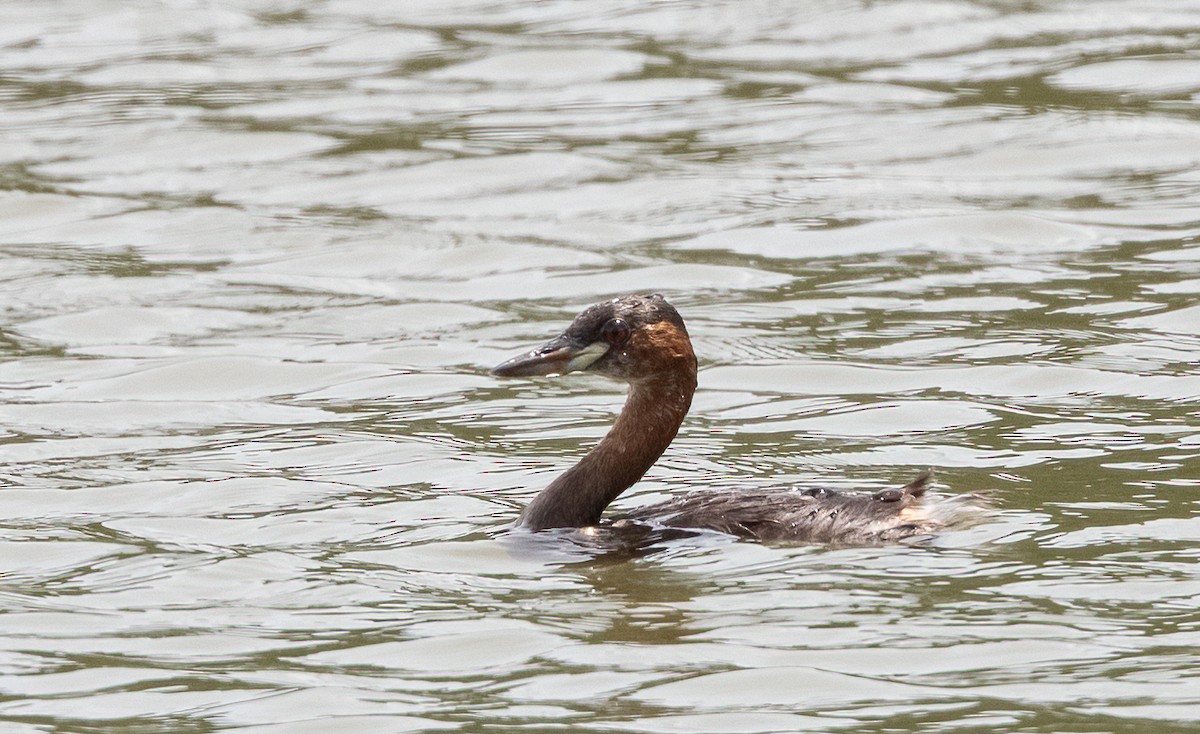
[(255, 260)]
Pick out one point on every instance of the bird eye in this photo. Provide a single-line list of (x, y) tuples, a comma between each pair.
[(616, 331)]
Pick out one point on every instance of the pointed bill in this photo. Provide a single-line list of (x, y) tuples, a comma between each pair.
[(556, 357)]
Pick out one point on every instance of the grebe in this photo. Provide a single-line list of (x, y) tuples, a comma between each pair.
[(642, 340)]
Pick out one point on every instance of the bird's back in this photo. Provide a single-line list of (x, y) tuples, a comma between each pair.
[(813, 515)]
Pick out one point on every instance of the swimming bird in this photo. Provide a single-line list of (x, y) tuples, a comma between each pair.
[(642, 340)]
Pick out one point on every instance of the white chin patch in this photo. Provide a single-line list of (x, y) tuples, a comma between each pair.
[(587, 356)]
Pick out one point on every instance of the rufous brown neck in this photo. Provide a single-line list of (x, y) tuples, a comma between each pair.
[(653, 412)]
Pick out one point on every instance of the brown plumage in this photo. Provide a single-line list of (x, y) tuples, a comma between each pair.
[(642, 340), (810, 515)]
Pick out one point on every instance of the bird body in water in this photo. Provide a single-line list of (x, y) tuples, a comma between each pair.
[(642, 340)]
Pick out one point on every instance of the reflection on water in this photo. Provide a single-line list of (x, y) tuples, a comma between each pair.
[(254, 261)]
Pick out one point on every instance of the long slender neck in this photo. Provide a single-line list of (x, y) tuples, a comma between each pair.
[(648, 423)]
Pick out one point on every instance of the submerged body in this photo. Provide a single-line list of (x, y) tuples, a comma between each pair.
[(811, 516), (642, 340)]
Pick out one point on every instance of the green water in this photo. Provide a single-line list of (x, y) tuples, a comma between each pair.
[(256, 259)]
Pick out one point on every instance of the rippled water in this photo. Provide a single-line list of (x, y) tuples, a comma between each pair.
[(255, 259)]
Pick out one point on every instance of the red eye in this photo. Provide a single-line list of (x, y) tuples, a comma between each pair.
[(615, 332)]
